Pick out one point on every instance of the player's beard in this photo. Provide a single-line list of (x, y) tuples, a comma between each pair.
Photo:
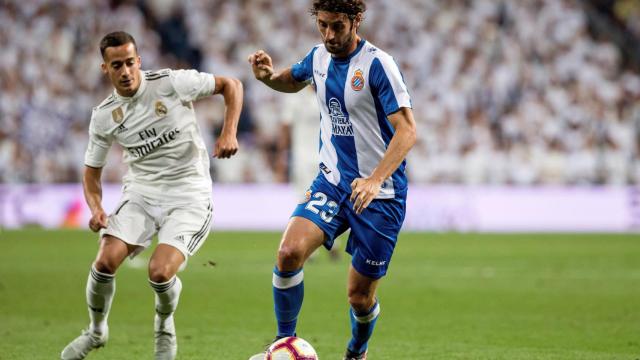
[(339, 49)]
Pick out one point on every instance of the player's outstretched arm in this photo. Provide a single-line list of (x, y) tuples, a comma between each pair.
[(363, 191), (92, 186), (231, 89), (281, 81)]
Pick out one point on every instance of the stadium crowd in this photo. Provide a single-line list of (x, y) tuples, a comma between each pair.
[(503, 92)]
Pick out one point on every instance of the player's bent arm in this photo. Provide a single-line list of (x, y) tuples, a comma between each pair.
[(402, 141), (283, 81), (363, 191), (232, 92), (92, 186)]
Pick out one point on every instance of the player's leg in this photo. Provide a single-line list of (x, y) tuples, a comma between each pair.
[(364, 312), (183, 230), (299, 240), (129, 231), (371, 243), (163, 266), (100, 290), (317, 220), (101, 282)]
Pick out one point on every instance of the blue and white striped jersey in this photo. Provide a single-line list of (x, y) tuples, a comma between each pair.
[(355, 96)]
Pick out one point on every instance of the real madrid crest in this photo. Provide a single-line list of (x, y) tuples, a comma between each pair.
[(357, 81), (117, 115), (161, 109)]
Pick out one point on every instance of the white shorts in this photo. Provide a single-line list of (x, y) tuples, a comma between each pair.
[(184, 226)]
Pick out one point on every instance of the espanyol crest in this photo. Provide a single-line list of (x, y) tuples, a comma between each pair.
[(357, 81)]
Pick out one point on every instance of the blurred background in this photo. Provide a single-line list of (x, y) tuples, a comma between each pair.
[(528, 111)]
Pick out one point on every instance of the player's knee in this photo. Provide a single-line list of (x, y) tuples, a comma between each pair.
[(160, 273), (290, 257), (105, 266), (360, 302)]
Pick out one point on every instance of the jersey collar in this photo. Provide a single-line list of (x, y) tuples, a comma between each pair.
[(141, 89)]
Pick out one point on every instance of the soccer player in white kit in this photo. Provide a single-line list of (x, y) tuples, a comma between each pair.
[(166, 191)]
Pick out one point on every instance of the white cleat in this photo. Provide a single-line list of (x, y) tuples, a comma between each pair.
[(83, 344), (166, 346), (166, 343)]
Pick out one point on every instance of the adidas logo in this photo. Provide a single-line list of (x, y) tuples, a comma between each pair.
[(121, 129)]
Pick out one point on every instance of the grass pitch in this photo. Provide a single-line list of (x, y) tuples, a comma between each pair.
[(447, 296)]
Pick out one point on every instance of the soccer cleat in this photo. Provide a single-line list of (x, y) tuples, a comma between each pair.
[(259, 356), (83, 344), (166, 346), (262, 355), (350, 355), (166, 343)]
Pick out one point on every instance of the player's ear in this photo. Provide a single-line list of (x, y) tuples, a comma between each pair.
[(357, 20), (103, 67)]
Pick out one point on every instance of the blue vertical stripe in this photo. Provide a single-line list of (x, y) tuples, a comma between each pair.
[(386, 103), (345, 145)]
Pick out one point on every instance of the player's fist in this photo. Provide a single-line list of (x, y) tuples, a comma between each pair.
[(98, 221), (226, 147), (261, 65)]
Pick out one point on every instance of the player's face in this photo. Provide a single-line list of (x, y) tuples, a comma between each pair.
[(122, 65), (338, 32)]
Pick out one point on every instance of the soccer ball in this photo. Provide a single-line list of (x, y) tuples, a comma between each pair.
[(291, 348)]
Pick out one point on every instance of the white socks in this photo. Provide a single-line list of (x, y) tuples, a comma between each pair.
[(167, 296), (100, 290)]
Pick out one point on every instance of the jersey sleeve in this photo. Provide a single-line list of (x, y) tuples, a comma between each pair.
[(388, 85), (191, 84), (98, 147), (302, 71)]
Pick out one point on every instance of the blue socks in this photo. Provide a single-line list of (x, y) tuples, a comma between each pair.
[(362, 325), (288, 292)]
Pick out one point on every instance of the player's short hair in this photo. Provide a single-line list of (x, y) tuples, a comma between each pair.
[(349, 7), (116, 38)]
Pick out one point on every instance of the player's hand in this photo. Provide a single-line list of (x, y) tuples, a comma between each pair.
[(261, 64), (98, 221), (226, 146), (363, 191)]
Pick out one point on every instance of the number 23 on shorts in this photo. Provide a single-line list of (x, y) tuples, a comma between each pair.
[(318, 204)]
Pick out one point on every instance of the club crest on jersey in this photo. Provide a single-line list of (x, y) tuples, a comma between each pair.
[(306, 197), (117, 115), (357, 81), (161, 109), (340, 124)]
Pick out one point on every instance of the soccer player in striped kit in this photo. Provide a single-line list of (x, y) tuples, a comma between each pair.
[(166, 191), (366, 130)]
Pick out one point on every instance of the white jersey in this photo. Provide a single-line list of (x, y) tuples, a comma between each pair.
[(157, 129)]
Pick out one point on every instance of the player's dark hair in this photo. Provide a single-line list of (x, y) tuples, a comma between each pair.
[(349, 7), (116, 38)]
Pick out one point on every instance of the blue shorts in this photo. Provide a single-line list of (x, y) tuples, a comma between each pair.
[(374, 232)]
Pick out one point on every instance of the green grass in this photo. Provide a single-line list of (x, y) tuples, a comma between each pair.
[(447, 296)]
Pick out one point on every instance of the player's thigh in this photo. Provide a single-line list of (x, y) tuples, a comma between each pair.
[(320, 207), (111, 254), (131, 223), (300, 239), (165, 263), (373, 236), (186, 226)]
